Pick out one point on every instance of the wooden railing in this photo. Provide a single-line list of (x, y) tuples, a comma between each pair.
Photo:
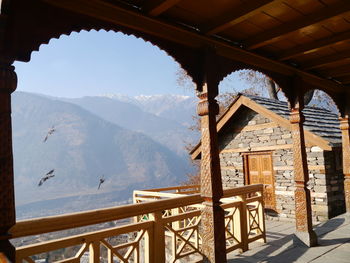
[(165, 230)]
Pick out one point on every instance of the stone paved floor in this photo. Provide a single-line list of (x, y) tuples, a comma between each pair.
[(334, 244)]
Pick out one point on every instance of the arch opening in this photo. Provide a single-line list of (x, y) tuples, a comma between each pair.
[(90, 133)]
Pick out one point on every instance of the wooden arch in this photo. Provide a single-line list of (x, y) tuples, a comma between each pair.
[(30, 35)]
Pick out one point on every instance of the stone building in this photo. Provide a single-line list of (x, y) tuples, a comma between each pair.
[(255, 144)]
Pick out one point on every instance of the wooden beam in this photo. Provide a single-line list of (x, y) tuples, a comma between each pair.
[(236, 15), (344, 80), (156, 7), (259, 148), (319, 62), (313, 46), (238, 167), (269, 36), (310, 167), (337, 71), (255, 127), (119, 16)]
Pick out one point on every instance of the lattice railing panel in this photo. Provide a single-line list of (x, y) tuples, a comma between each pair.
[(124, 244), (184, 241), (255, 219), (232, 227), (167, 230)]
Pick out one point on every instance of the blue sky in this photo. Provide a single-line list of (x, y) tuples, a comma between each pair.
[(95, 63)]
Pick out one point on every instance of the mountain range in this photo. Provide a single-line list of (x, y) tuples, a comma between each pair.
[(94, 136), (178, 108), (166, 119)]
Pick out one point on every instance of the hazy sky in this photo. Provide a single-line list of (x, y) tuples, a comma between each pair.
[(95, 63)]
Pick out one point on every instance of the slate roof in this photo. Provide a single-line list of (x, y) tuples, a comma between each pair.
[(319, 121)]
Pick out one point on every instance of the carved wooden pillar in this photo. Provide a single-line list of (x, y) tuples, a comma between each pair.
[(8, 83), (213, 225), (344, 126), (303, 216)]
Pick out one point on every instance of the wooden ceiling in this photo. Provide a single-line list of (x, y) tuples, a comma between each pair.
[(306, 37), (311, 35)]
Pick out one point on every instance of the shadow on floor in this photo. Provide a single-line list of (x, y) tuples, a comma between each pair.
[(280, 247)]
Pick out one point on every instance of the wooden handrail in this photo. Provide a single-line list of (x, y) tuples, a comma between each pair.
[(74, 220), (243, 190), (79, 219), (172, 188), (159, 194)]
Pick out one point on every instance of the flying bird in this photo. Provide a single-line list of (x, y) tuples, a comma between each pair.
[(47, 176), (102, 180), (50, 132)]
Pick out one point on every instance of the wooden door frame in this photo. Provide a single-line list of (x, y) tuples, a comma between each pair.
[(246, 169)]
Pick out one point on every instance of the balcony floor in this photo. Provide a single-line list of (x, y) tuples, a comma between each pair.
[(334, 240)]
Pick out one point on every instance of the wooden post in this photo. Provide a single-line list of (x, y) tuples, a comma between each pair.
[(157, 242), (303, 217), (8, 83), (344, 126), (244, 221), (261, 214), (94, 252), (148, 244), (213, 216)]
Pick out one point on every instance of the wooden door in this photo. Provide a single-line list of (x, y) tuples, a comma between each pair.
[(259, 170)]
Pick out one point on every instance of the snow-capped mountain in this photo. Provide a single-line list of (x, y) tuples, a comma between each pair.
[(174, 107)]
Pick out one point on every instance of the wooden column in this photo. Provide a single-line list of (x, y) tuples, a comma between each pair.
[(8, 83), (344, 126), (303, 217), (213, 225)]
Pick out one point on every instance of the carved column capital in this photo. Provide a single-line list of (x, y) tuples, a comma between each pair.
[(296, 116), (344, 123), (207, 105)]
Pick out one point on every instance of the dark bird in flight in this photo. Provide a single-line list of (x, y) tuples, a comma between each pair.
[(102, 180), (47, 176), (50, 132)]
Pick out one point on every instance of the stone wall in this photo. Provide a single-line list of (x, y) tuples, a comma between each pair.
[(251, 132)]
